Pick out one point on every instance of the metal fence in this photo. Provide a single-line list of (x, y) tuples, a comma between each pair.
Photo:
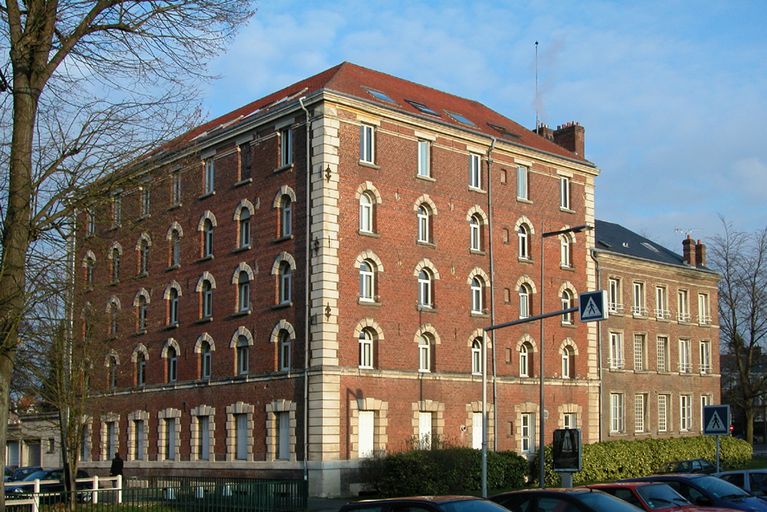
[(161, 494)]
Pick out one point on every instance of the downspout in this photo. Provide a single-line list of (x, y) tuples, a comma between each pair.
[(492, 284), (307, 282), (64, 415), (599, 347)]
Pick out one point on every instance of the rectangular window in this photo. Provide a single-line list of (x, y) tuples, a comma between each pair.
[(705, 400), (685, 413), (685, 363), (117, 210), (616, 412), (527, 432), (367, 144), (111, 439), (203, 434), (90, 223), (704, 313), (662, 348), (475, 171), (663, 413), (640, 351), (286, 147), (569, 420), (209, 183), (366, 424), (138, 440), (283, 435), (241, 436), (175, 189), (522, 183), (705, 357), (683, 306), (614, 301), (564, 192), (661, 303), (640, 412), (242, 360), (616, 350), (246, 159), (424, 158), (85, 445), (146, 200), (476, 430), (170, 439), (639, 309), (424, 430)]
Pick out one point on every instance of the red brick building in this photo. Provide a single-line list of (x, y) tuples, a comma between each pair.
[(265, 320), (660, 346)]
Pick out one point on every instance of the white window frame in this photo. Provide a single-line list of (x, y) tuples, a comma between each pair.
[(704, 311), (425, 421), (638, 307), (523, 240), (662, 348), (365, 434), (209, 181), (565, 251), (244, 228), (525, 297), (286, 282), (241, 435), (683, 306), (705, 357), (206, 360), (424, 218), (146, 201), (568, 299), (524, 360), (243, 355), (207, 299), (476, 357), (425, 296), (616, 413), (685, 356), (367, 281), (567, 360), (207, 238), (527, 432), (366, 213), (424, 354), (286, 216), (367, 143), (661, 303), (424, 158), (475, 171), (640, 352), (475, 233), (243, 292), (366, 349), (286, 147), (564, 192), (705, 400), (616, 350), (614, 298), (477, 288), (523, 190), (569, 420), (284, 361), (175, 189), (640, 412), (685, 413), (663, 413)]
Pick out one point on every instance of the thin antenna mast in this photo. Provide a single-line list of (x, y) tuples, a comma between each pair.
[(536, 86)]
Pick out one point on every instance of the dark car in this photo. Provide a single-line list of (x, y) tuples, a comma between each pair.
[(750, 480), (577, 499), (652, 496), (425, 504), (709, 491), (21, 473), (53, 491), (690, 466)]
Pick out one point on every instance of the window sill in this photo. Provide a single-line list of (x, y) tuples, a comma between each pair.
[(367, 302), (283, 305), (175, 206), (478, 190), (172, 267), (426, 244), (568, 325), (141, 275), (524, 200), (569, 268), (172, 326), (478, 252), (566, 210), (205, 320), (528, 261), (476, 314), (282, 238), (206, 195), (143, 217), (425, 178), (426, 309), (115, 282), (283, 168), (242, 182), (371, 234), (242, 248), (369, 164), (140, 332), (241, 313), (205, 258)]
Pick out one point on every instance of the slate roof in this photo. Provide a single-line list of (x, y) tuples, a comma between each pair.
[(356, 81), (615, 238)]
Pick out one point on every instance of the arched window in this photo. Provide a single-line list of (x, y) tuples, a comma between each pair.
[(284, 350), (475, 233), (523, 237), (424, 353), (366, 213), (141, 313), (565, 253), (113, 311), (567, 302), (243, 351), (425, 295), (367, 281), (171, 364), (424, 224), (568, 362), (243, 292), (207, 238), (206, 360), (173, 306), (140, 369), (525, 360), (477, 292), (525, 294), (286, 216), (366, 349), (115, 265), (112, 371), (206, 309), (476, 357), (244, 228), (89, 266), (285, 282), (143, 257), (175, 248)]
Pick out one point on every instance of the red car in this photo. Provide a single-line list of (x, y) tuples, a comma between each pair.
[(652, 496)]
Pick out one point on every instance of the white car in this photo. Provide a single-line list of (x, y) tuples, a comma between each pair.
[(750, 480)]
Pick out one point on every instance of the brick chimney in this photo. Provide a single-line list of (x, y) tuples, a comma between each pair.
[(572, 137), (700, 254), (545, 132), (688, 251)]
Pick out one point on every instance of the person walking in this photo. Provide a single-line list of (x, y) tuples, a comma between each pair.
[(117, 466)]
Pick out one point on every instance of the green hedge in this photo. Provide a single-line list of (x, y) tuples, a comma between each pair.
[(446, 471), (613, 460)]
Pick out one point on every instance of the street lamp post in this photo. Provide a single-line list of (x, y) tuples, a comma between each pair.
[(541, 378)]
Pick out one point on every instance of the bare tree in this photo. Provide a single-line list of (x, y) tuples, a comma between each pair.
[(741, 259), (87, 87)]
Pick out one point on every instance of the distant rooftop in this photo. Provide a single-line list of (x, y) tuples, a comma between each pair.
[(615, 238)]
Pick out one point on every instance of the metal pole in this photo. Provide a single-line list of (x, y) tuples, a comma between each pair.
[(484, 414), (541, 400), (717, 454)]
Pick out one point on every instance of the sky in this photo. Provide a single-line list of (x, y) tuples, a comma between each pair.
[(672, 94)]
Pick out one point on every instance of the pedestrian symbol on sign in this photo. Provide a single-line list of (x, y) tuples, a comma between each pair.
[(715, 423), (592, 306), (716, 419), (591, 309)]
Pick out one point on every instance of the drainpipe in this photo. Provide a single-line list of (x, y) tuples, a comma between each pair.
[(599, 348), (492, 285), (307, 279)]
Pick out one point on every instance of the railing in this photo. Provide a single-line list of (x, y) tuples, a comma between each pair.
[(704, 319), (639, 310), (164, 493), (615, 307), (683, 317), (662, 314)]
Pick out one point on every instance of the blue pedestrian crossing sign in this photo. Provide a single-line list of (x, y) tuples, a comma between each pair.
[(716, 420), (593, 306)]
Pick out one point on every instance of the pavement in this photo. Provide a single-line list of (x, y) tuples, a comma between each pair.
[(326, 504)]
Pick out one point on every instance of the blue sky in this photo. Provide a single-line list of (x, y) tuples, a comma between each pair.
[(673, 95)]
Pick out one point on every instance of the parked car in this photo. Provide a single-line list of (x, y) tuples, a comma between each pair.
[(577, 499), (708, 491), (21, 472), (690, 466), (53, 491), (425, 504), (750, 480), (652, 496)]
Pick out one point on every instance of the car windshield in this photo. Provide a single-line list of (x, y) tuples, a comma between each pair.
[(472, 506), (604, 502), (39, 474), (661, 496), (720, 489)]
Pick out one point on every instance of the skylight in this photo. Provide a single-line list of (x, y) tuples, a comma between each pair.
[(650, 246), (460, 118), (380, 96), (423, 108), (502, 130)]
